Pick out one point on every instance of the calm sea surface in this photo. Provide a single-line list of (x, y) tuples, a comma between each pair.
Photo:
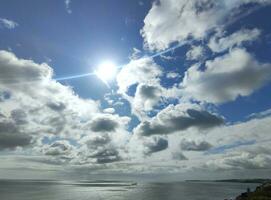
[(46, 190)]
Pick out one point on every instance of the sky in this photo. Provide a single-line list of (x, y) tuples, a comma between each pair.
[(154, 89)]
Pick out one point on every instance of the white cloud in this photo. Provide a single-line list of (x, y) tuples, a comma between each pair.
[(250, 157), (262, 114), (178, 118), (109, 110), (136, 54), (155, 144), (146, 97), (225, 78), (178, 156), (219, 44), (68, 6), (106, 123), (190, 145), (8, 23), (244, 145), (195, 53), (172, 75), (12, 134), (35, 106), (144, 70), (58, 148), (170, 21), (144, 74)]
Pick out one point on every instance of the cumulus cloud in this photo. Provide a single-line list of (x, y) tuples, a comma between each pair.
[(58, 148), (33, 105), (146, 97), (144, 71), (188, 145), (107, 123), (12, 135), (100, 148), (103, 124), (239, 146), (144, 74), (15, 71), (178, 118), (56, 106), (156, 144), (37, 106), (195, 53), (219, 44), (19, 116), (240, 160), (226, 77), (9, 24), (170, 21), (95, 140)]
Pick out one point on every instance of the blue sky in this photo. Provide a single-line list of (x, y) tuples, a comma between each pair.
[(70, 40), (205, 95)]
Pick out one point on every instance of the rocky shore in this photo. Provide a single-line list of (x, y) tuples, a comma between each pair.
[(262, 192)]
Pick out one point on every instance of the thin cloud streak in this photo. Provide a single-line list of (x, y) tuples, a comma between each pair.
[(74, 76), (119, 67), (180, 44)]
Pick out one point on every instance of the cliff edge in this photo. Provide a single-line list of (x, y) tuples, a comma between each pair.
[(262, 192)]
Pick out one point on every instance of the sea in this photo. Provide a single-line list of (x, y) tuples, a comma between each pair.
[(117, 190)]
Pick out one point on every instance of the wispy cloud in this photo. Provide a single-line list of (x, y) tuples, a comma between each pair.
[(6, 23), (68, 8)]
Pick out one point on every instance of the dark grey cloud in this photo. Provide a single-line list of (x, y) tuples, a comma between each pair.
[(57, 148), (148, 91), (19, 116), (155, 145), (26, 72), (146, 128), (94, 141), (146, 97), (11, 137), (56, 124), (188, 145), (103, 124), (12, 140), (4, 95), (99, 148), (168, 122), (106, 155), (56, 106), (44, 107)]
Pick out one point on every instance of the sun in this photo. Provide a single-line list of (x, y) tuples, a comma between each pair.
[(106, 71)]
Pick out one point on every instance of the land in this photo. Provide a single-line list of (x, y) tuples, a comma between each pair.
[(262, 192), (256, 180)]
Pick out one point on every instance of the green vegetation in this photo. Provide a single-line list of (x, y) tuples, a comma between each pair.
[(262, 192)]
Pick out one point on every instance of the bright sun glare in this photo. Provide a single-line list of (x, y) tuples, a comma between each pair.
[(106, 71)]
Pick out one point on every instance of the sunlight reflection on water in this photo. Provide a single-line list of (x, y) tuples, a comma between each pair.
[(14, 190)]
